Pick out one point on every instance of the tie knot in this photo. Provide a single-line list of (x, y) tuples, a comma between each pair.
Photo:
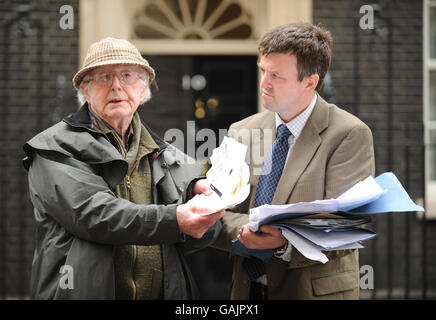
[(283, 132)]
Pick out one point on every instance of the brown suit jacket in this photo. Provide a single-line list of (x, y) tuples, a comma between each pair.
[(333, 152)]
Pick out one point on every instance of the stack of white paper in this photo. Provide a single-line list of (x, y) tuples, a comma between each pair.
[(313, 236), (228, 177), (364, 192), (311, 242)]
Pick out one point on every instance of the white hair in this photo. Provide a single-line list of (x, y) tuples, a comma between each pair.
[(87, 79)]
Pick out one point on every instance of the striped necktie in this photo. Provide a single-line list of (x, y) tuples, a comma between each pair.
[(270, 175), (272, 167)]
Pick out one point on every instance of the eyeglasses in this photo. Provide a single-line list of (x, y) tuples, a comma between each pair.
[(126, 77)]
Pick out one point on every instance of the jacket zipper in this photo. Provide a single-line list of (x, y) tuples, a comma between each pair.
[(128, 187), (129, 174), (128, 182), (133, 272), (134, 247)]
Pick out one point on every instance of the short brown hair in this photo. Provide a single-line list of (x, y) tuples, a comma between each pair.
[(312, 45)]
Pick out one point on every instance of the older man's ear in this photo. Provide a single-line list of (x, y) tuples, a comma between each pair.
[(147, 95), (84, 88), (144, 92)]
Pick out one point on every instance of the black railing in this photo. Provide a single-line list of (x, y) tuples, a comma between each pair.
[(398, 255)]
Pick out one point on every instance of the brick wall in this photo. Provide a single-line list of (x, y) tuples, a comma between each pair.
[(37, 62), (377, 75)]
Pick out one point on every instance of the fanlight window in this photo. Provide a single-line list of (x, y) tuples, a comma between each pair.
[(193, 19)]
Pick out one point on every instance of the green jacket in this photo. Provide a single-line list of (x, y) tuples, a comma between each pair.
[(73, 172)]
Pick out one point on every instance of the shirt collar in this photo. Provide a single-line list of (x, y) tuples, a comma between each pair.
[(95, 126), (297, 124)]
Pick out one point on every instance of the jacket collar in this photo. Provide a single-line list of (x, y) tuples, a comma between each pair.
[(303, 152), (81, 119)]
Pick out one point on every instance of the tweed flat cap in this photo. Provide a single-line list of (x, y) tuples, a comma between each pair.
[(111, 51)]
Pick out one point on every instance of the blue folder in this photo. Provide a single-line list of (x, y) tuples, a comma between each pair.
[(396, 199)]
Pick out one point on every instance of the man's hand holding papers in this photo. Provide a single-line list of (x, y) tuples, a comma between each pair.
[(270, 237)]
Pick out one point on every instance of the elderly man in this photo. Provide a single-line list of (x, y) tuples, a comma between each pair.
[(108, 193)]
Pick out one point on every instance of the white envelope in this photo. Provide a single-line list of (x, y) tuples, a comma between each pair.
[(228, 176)]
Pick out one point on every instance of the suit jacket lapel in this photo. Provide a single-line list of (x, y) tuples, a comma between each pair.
[(303, 151)]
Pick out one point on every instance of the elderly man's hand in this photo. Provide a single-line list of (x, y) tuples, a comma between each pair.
[(270, 238), (192, 223), (202, 186)]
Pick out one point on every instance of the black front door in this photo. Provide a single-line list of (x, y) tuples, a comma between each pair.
[(202, 94)]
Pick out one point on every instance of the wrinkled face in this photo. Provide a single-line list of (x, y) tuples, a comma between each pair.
[(280, 88), (115, 91)]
